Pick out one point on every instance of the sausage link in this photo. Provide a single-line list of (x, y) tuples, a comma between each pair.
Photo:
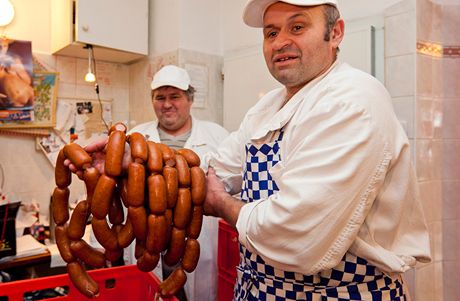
[(102, 196), (136, 184), (114, 154), (90, 177), (63, 243), (198, 188), (172, 185), (125, 234), (190, 156), (119, 126), (157, 194), (155, 160), (191, 255), (169, 225), (138, 218), (194, 227), (82, 281), (113, 255), (173, 283), (78, 220), (183, 172), (139, 150), (60, 205), (168, 155), (148, 261), (106, 236), (176, 247), (183, 210), (77, 155), (157, 229), (116, 213), (122, 186), (62, 174), (139, 248), (87, 253)]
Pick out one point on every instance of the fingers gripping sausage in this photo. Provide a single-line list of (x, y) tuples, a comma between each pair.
[(85, 284), (62, 174), (183, 172), (114, 154), (191, 255), (60, 205), (77, 155), (173, 283), (198, 188), (157, 194), (139, 150)]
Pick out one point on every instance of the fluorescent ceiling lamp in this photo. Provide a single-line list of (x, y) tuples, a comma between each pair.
[(6, 12)]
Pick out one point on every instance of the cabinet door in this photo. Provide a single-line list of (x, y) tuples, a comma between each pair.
[(117, 24)]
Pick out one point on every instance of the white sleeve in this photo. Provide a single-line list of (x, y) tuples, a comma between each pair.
[(334, 159)]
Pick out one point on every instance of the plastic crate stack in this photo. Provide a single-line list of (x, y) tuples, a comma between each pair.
[(228, 258)]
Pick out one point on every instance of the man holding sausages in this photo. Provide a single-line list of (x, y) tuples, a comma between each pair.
[(328, 206), (172, 99)]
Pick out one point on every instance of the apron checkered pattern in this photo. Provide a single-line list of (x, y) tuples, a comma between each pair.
[(352, 279)]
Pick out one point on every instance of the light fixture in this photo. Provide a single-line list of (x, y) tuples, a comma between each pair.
[(90, 77), (6, 12)]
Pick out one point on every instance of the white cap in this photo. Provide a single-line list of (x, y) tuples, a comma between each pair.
[(171, 75), (254, 11)]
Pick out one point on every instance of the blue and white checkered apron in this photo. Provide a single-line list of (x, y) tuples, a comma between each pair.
[(352, 279)]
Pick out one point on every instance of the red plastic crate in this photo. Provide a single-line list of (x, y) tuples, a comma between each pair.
[(225, 287), (228, 254), (128, 283)]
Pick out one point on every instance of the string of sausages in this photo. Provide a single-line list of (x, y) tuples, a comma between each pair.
[(163, 191)]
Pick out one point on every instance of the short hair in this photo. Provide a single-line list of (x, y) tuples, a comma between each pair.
[(190, 92), (331, 14)]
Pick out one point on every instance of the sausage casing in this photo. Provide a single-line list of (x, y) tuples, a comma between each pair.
[(172, 185), (176, 247), (62, 174), (106, 236), (194, 227), (183, 209), (63, 243), (198, 188), (77, 223), (147, 262), (155, 160), (190, 156), (85, 284), (125, 234), (157, 194), (138, 218), (114, 154), (183, 171), (157, 229), (60, 205), (168, 155), (139, 150), (116, 213), (173, 283), (136, 184), (191, 255), (87, 253), (90, 177), (77, 155), (102, 196)]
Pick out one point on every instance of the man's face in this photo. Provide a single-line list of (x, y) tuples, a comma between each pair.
[(294, 47), (172, 108)]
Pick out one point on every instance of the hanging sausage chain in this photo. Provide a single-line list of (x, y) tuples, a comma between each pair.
[(165, 217)]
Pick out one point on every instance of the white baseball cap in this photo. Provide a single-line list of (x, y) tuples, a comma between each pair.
[(171, 75), (254, 11)]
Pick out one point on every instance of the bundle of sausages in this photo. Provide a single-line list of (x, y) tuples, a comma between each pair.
[(165, 217)]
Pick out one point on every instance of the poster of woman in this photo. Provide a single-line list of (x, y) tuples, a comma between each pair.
[(16, 85)]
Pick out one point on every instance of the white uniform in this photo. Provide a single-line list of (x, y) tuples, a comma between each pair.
[(205, 137), (345, 179)]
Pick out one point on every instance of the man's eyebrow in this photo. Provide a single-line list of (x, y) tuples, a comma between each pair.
[(268, 26)]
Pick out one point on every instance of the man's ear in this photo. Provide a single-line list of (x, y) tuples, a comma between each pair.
[(337, 33)]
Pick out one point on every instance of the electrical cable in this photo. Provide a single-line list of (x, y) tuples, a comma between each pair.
[(96, 87)]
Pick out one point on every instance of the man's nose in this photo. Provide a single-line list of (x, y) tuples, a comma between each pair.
[(282, 40)]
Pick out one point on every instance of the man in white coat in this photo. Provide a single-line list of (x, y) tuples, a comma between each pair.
[(172, 99)]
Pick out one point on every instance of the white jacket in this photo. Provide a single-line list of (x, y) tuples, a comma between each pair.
[(205, 137), (345, 179)]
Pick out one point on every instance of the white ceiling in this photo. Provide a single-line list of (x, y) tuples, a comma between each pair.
[(356, 9)]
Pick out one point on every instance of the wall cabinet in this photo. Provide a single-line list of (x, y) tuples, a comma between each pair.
[(118, 29)]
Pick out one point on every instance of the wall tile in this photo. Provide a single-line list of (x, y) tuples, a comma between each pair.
[(429, 21), (429, 159), (404, 41), (450, 24), (451, 159), (431, 198), (450, 124), (429, 118), (400, 8), (404, 109), (451, 277), (424, 284), (451, 200), (451, 240), (451, 74), (400, 75), (66, 66), (424, 75)]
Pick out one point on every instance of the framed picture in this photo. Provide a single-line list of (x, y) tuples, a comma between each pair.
[(43, 115)]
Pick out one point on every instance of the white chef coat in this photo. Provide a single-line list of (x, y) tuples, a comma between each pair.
[(204, 138), (345, 179)]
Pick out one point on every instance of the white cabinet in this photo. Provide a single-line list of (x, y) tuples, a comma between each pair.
[(118, 29)]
